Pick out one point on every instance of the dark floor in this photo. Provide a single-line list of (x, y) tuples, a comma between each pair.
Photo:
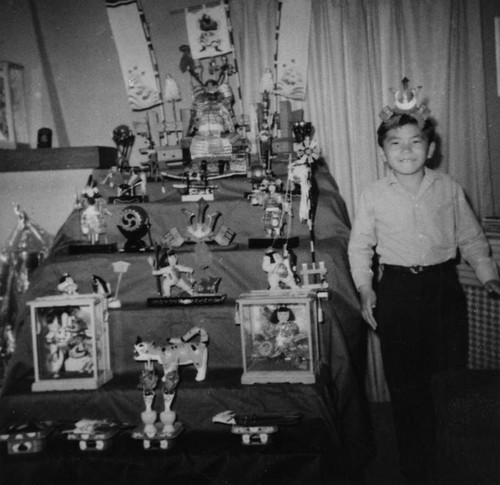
[(383, 469)]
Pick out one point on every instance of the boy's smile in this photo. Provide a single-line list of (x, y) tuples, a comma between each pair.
[(406, 150)]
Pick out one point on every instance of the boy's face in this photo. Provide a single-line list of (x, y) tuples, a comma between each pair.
[(406, 149)]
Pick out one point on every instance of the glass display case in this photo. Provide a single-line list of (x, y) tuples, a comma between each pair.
[(70, 342), (279, 336)]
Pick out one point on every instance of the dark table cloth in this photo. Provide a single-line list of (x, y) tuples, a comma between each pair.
[(331, 441)]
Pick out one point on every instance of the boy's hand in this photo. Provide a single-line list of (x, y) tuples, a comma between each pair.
[(493, 287), (368, 303)]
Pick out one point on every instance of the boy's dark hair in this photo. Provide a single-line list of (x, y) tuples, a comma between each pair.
[(398, 120)]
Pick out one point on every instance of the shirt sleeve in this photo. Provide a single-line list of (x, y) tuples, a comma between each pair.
[(361, 243), (472, 242)]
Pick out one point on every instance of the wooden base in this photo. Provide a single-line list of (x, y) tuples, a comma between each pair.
[(160, 440), (264, 377), (267, 242), (67, 384), (98, 441), (200, 299), (128, 199), (87, 248)]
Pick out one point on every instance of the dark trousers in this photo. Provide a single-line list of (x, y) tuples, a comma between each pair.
[(422, 324)]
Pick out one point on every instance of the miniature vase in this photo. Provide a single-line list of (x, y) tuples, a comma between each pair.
[(149, 416), (167, 416)]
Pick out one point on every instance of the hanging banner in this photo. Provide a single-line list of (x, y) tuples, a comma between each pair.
[(139, 73), (293, 48), (208, 31)]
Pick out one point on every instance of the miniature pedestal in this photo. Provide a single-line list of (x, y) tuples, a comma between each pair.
[(70, 342), (26, 438), (279, 336), (254, 435), (96, 441)]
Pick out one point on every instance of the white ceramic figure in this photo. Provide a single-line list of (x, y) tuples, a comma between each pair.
[(175, 352), (279, 270), (171, 273)]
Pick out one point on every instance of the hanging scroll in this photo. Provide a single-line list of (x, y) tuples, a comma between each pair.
[(293, 48), (208, 31), (139, 69)]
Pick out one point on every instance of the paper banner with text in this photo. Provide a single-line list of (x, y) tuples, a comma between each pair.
[(293, 48), (139, 73), (208, 31)]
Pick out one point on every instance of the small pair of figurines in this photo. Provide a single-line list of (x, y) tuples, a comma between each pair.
[(174, 353), (158, 434), (176, 283)]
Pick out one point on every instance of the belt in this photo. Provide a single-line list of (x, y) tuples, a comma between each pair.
[(417, 269)]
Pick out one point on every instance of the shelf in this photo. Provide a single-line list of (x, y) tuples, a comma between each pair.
[(70, 158)]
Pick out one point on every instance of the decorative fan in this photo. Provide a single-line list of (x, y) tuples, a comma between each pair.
[(307, 151)]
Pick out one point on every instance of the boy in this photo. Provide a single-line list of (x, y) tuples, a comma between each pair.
[(415, 219)]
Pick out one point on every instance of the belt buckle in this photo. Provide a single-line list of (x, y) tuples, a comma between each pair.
[(416, 269)]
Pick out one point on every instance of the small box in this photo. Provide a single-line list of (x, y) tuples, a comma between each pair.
[(283, 145), (70, 342), (169, 153), (279, 336)]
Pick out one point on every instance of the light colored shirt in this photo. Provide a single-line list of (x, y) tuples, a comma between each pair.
[(423, 229)]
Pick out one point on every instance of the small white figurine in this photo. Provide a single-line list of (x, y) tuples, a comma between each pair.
[(176, 351), (275, 207), (171, 273), (279, 270), (67, 285)]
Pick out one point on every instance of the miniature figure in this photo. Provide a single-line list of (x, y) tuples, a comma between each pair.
[(67, 285), (279, 269), (100, 286), (170, 270), (286, 333), (176, 351), (127, 184), (276, 206), (92, 221), (123, 137)]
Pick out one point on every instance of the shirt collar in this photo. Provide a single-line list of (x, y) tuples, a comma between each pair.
[(429, 177)]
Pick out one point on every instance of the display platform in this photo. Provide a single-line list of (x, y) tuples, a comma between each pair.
[(331, 441)]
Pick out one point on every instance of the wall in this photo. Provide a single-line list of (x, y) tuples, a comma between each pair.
[(489, 10)]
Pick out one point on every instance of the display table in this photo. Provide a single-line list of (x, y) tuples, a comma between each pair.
[(331, 441)]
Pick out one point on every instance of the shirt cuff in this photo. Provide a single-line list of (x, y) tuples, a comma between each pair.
[(362, 277), (486, 270)]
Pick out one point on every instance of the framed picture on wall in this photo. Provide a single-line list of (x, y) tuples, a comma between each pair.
[(497, 51), (13, 116)]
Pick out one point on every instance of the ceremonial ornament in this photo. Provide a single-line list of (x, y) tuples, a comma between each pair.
[(135, 226), (406, 102)]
